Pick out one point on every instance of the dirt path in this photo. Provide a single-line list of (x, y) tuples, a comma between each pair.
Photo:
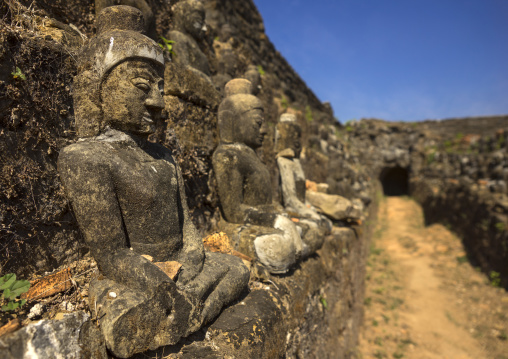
[(423, 299)]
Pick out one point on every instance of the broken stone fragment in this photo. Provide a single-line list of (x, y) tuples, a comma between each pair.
[(73, 337), (334, 206)]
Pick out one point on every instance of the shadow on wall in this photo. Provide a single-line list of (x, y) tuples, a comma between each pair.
[(395, 181)]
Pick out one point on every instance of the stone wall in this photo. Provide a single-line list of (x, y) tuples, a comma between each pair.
[(313, 312), (457, 170)]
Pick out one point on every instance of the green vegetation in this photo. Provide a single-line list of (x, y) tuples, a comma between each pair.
[(500, 226), (260, 70), (284, 102), (495, 279), (324, 303), (167, 45), (18, 74), (374, 250), (462, 259), (431, 157), (308, 114), (348, 125), (500, 142), (12, 289)]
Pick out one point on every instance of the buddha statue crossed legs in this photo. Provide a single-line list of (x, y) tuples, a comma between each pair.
[(128, 197)]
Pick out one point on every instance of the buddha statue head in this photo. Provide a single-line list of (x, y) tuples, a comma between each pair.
[(241, 115), (120, 76), (288, 135), (189, 18)]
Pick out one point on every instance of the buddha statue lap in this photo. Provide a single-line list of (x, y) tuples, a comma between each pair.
[(129, 200)]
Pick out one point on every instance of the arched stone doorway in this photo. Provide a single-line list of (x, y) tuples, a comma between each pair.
[(395, 181)]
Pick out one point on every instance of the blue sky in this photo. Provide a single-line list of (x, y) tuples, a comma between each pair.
[(398, 60)]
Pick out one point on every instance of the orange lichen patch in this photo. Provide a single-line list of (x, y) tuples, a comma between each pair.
[(10, 327), (171, 268), (220, 242), (311, 186), (49, 285), (296, 220)]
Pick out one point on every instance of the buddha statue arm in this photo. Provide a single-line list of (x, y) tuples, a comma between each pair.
[(90, 188), (230, 186), (193, 253)]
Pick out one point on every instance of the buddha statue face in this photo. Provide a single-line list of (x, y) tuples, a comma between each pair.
[(249, 128), (190, 18), (132, 96)]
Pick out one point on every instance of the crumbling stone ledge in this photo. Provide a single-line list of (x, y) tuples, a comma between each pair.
[(315, 311)]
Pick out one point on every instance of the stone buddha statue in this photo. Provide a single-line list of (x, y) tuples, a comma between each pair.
[(244, 184), (188, 28), (292, 178), (310, 206), (288, 148), (129, 200)]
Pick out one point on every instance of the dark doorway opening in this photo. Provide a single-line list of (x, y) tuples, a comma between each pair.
[(395, 181)]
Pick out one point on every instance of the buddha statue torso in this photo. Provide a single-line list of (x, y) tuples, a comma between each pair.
[(254, 173), (145, 184)]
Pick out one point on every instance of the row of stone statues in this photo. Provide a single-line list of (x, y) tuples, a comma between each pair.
[(158, 283)]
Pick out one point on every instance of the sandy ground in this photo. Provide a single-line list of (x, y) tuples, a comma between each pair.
[(424, 299)]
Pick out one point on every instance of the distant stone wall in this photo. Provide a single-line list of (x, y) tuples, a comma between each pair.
[(475, 214), (486, 125), (457, 171)]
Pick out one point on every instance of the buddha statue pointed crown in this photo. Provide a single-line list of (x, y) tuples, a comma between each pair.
[(120, 37)]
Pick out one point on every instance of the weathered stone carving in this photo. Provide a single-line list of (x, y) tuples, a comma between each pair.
[(244, 184), (227, 63), (296, 199), (188, 75), (288, 148), (128, 197), (189, 28), (252, 74)]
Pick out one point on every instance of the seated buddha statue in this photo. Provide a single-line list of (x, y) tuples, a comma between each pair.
[(244, 185), (292, 177), (128, 197)]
